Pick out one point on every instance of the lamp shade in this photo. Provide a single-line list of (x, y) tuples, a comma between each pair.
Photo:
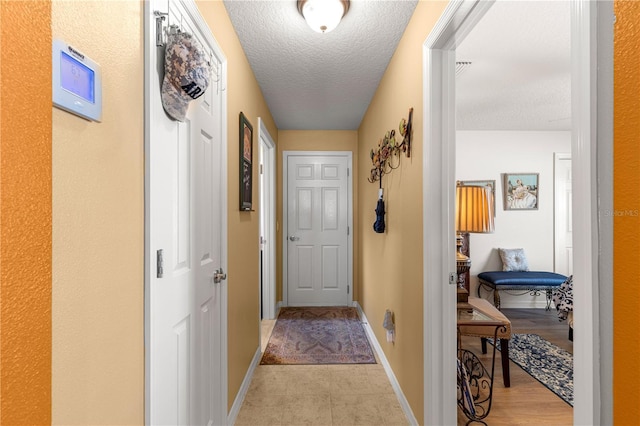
[(323, 15), (474, 209)]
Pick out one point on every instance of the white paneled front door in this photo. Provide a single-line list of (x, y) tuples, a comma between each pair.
[(186, 242), (317, 232)]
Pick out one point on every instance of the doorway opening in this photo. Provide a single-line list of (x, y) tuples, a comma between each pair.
[(438, 204)]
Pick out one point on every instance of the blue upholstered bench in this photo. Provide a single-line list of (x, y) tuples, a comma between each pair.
[(532, 282)]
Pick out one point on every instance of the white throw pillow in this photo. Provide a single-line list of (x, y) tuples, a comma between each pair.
[(513, 259)]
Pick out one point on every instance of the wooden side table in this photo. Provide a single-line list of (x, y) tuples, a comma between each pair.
[(479, 380)]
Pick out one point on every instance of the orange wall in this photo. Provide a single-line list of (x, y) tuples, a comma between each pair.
[(626, 223), (243, 94), (25, 212)]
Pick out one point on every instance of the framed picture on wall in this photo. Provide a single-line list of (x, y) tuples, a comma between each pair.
[(246, 161), (520, 191), (491, 183)]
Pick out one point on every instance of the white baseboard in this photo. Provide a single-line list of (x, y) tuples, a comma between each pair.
[(387, 367), (237, 403)]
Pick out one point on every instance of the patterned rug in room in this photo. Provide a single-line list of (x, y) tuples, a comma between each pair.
[(318, 335), (547, 363)]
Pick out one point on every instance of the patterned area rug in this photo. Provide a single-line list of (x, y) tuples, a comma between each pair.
[(318, 335), (547, 363)]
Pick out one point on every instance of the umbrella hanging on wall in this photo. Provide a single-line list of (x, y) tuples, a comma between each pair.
[(378, 225)]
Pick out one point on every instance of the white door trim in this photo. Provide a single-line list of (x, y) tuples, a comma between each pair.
[(149, 260), (592, 121), (285, 177), (560, 213), (458, 18), (268, 296), (592, 180)]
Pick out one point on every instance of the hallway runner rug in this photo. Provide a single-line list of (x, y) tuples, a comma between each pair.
[(547, 363), (318, 335)]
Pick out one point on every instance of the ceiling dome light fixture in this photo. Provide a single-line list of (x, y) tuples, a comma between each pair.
[(323, 15)]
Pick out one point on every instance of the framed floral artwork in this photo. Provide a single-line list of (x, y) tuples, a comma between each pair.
[(520, 190)]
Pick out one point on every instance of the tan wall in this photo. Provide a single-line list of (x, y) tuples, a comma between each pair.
[(243, 94), (315, 140), (25, 213), (391, 263), (98, 225), (626, 222)]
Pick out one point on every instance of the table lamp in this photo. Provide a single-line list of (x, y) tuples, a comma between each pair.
[(474, 213)]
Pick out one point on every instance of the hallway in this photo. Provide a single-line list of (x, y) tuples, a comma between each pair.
[(348, 394)]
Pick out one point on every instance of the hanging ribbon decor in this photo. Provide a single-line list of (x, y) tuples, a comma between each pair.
[(387, 158)]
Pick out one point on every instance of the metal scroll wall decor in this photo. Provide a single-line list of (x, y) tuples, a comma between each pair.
[(386, 158)]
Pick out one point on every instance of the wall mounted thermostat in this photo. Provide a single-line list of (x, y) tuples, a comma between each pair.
[(77, 82)]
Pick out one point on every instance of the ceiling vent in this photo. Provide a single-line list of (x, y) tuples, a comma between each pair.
[(462, 67)]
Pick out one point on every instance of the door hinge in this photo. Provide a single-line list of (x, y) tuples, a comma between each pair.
[(159, 264), (348, 171), (261, 172), (348, 231), (219, 276), (348, 289), (160, 16)]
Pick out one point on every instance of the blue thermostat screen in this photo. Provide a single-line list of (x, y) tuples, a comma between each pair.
[(76, 82), (77, 78)]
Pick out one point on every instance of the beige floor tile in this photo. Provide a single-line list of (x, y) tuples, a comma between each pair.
[(296, 395), (268, 385), (351, 367), (308, 382), (355, 410), (307, 410), (391, 410), (259, 416), (356, 384), (262, 400), (379, 382)]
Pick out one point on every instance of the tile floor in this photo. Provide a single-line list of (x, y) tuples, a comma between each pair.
[(353, 394)]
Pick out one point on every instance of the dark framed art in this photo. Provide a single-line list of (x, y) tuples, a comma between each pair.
[(246, 161), (521, 191), (491, 183)]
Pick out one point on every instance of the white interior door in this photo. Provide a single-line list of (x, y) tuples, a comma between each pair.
[(186, 241), (563, 233), (317, 233), (267, 222)]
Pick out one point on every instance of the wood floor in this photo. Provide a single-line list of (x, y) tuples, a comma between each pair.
[(526, 402)]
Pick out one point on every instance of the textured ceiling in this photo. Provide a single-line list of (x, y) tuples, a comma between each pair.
[(519, 78), (319, 81)]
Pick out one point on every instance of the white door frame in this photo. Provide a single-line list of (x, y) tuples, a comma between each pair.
[(285, 218), (592, 136), (149, 259), (268, 215), (560, 214)]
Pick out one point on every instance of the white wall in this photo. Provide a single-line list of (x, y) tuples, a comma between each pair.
[(486, 155)]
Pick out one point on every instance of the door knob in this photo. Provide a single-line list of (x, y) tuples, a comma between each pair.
[(219, 275), (292, 238)]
